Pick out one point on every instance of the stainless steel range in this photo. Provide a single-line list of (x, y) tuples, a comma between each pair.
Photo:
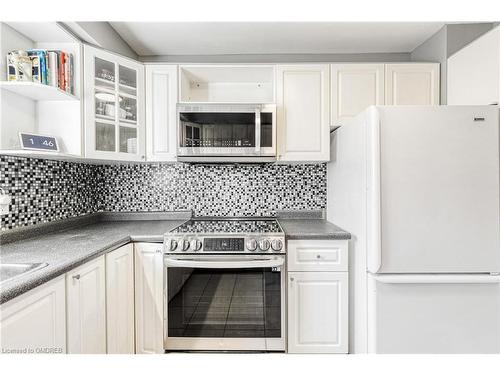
[(225, 285)]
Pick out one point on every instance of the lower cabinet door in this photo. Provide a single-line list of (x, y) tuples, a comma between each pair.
[(148, 298), (120, 300), (86, 308), (35, 322), (317, 312)]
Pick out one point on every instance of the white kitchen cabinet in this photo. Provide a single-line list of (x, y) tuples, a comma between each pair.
[(226, 83), (120, 300), (303, 112), (35, 322), (317, 312), (114, 106), (318, 317), (474, 72), (355, 87), (86, 308), (148, 298), (161, 118), (412, 84)]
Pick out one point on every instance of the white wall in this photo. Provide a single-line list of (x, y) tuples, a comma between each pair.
[(434, 50), (460, 35), (17, 113), (10, 40), (101, 34), (448, 40)]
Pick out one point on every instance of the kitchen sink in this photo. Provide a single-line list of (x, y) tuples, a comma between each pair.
[(10, 271)]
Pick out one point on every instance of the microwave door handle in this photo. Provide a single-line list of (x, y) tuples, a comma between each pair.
[(257, 131), (247, 263)]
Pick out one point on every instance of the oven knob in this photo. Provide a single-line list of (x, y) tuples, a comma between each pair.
[(195, 245), (251, 244), (185, 245), (276, 245), (264, 245), (171, 245)]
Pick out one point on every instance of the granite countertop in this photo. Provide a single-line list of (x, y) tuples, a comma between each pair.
[(309, 225), (312, 229), (67, 248)]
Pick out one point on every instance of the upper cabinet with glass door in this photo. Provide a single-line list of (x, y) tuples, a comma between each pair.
[(114, 107)]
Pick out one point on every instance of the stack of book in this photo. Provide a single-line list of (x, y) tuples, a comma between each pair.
[(49, 67)]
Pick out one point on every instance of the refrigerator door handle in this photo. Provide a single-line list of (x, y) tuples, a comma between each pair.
[(374, 250), (437, 279)]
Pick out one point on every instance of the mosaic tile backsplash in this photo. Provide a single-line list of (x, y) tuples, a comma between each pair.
[(47, 190)]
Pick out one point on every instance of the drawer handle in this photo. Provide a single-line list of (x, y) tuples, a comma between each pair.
[(318, 256), (76, 277)]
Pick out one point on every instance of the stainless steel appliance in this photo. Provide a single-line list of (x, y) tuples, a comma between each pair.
[(225, 285), (226, 132)]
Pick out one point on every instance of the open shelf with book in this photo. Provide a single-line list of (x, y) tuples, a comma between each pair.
[(42, 106), (37, 91)]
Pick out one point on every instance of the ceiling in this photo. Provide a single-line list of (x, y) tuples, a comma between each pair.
[(219, 38)]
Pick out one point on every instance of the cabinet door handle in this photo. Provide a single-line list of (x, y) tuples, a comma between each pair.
[(76, 277), (292, 279), (318, 256)]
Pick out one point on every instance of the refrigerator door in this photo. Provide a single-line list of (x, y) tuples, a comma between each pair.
[(433, 314), (433, 189)]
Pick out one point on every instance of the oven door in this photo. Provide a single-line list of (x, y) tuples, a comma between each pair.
[(226, 130), (224, 302)]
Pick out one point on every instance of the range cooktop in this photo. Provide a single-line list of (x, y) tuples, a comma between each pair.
[(226, 235), (259, 225)]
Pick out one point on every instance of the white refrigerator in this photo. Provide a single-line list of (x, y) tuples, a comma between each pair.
[(418, 188)]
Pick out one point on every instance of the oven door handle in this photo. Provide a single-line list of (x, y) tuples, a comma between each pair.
[(227, 263)]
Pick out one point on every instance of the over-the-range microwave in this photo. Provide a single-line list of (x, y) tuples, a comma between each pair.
[(226, 132)]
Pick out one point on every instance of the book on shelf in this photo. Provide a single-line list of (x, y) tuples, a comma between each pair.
[(49, 67), (35, 66), (53, 63), (71, 85), (39, 60), (61, 70)]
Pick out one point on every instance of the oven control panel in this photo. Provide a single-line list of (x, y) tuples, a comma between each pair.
[(223, 244)]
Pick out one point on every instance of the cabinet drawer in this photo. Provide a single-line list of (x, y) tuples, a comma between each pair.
[(317, 255)]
